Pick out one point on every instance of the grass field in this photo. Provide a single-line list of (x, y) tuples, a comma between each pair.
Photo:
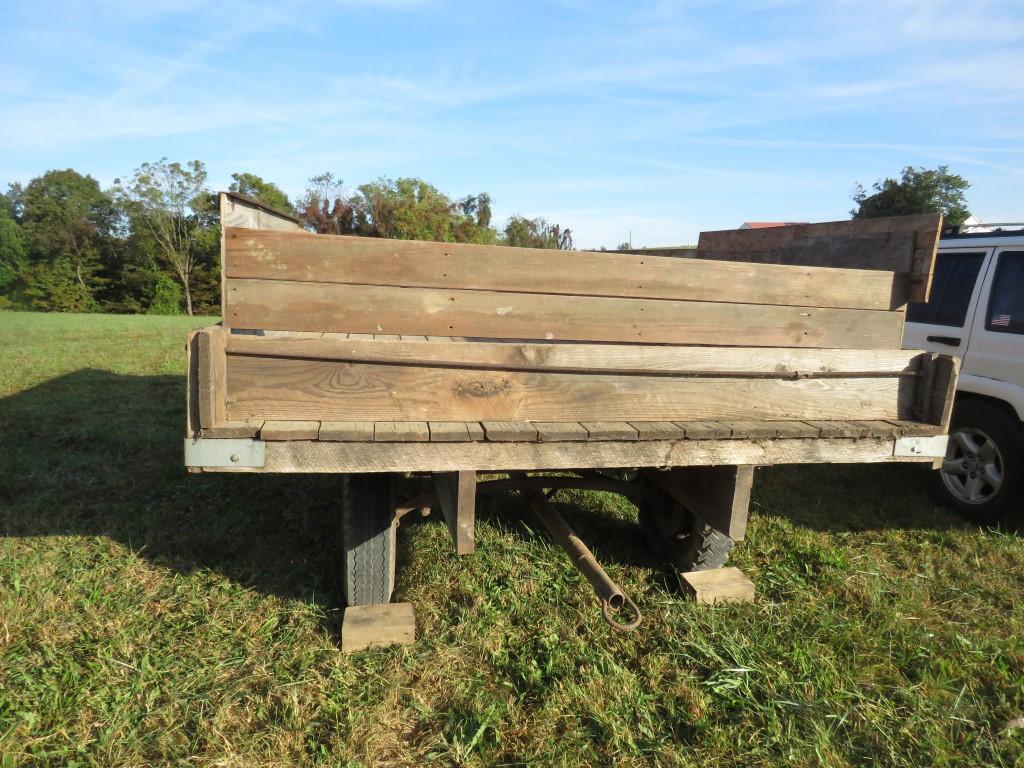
[(152, 617)]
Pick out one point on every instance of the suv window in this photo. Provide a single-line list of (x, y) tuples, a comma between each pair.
[(1006, 305), (952, 284)]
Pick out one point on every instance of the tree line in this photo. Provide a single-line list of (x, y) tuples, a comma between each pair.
[(151, 242)]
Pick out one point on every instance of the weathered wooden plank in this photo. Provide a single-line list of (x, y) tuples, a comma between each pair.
[(329, 307), (704, 430), (517, 431), (448, 431), (192, 421), (280, 388), (878, 427), (400, 431), (557, 431), (347, 431), (290, 430), (611, 358), (940, 403), (609, 430), (234, 429), (240, 213), (456, 492), (476, 431), (295, 456), (211, 377), (796, 429), (838, 429), (747, 429), (370, 261), (902, 244), (658, 430)]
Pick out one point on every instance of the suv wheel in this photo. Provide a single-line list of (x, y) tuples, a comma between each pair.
[(981, 475)]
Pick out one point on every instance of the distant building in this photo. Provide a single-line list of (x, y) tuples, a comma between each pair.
[(768, 224)]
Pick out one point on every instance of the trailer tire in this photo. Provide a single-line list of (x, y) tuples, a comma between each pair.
[(369, 535), (679, 537)]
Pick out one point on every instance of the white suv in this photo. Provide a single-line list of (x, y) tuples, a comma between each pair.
[(976, 312)]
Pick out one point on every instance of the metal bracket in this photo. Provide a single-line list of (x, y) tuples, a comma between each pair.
[(227, 452), (932, 446)]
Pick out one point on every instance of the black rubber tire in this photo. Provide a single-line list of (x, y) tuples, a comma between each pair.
[(369, 534), (1001, 425), (680, 538)]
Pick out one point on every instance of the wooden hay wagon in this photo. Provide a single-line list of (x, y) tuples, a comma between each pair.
[(412, 366)]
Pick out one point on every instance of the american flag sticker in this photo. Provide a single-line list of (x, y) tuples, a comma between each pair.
[(1001, 320)]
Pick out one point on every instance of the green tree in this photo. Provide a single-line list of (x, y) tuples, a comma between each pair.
[(918, 190), (171, 203), (268, 193), (13, 251), (412, 209), (68, 224), (536, 233), (166, 297)]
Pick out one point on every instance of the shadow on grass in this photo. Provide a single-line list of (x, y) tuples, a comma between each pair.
[(95, 453)]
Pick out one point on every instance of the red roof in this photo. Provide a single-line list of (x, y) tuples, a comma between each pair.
[(768, 224)]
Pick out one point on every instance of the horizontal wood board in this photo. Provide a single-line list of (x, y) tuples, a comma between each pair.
[(298, 257), (905, 245), (334, 307), (299, 389)]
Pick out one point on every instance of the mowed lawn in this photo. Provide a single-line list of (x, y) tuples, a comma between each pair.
[(151, 617)]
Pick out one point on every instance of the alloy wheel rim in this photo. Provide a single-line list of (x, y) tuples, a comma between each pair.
[(973, 468)]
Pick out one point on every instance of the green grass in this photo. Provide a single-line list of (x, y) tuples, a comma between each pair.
[(152, 617)]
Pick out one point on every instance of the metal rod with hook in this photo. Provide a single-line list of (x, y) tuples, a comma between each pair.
[(612, 598)]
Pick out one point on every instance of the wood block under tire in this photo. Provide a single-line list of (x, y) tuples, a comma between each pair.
[(728, 585), (377, 626)]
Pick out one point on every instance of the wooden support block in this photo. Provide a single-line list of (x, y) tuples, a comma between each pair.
[(658, 430), (725, 585), (704, 430), (233, 429), (448, 432), (401, 432), (560, 431), (456, 492), (510, 431), (377, 626), (720, 496), (290, 430), (347, 431), (609, 430), (476, 432)]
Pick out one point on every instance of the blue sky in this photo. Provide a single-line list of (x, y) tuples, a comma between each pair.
[(659, 118)]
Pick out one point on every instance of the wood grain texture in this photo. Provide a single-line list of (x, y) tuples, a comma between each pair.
[(902, 244), (211, 377), (333, 307), (552, 432), (500, 456), (410, 263), (609, 430), (456, 493), (400, 431), (509, 431), (448, 432), (704, 430), (292, 389), (347, 431), (626, 358), (290, 430), (658, 430)]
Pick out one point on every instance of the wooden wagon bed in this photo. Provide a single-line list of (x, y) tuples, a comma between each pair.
[(382, 358)]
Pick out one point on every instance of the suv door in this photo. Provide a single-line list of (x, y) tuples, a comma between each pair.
[(997, 339), (943, 324)]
